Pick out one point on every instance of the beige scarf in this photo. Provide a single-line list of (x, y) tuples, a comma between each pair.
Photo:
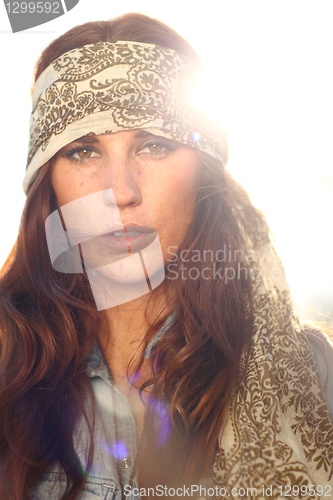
[(278, 439), (108, 87)]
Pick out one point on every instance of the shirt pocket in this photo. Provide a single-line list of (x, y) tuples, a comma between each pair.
[(52, 486)]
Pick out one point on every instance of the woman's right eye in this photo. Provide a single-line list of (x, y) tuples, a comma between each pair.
[(81, 153)]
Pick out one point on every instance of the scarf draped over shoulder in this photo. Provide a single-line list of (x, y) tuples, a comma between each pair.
[(277, 440)]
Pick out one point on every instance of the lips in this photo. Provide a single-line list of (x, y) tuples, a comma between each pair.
[(132, 228), (130, 238)]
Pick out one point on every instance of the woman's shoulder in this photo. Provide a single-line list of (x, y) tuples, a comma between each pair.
[(322, 350)]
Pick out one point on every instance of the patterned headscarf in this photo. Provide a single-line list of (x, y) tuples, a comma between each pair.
[(107, 87), (278, 437)]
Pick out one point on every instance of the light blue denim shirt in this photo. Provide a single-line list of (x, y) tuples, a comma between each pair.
[(103, 481)]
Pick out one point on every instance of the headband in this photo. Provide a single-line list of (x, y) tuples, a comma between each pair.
[(108, 87)]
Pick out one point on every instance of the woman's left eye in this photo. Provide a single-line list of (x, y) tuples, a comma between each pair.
[(156, 148)]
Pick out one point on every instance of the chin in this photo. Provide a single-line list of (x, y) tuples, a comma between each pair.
[(127, 279)]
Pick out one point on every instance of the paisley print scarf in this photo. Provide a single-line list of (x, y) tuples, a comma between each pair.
[(277, 441)]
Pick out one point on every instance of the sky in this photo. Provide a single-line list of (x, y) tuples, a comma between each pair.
[(267, 80)]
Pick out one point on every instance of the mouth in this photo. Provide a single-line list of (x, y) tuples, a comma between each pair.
[(132, 230), (130, 238)]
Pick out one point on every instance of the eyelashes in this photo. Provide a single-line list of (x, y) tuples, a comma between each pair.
[(81, 153), (156, 148)]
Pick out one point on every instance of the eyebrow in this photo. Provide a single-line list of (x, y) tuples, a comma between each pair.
[(95, 138), (87, 138)]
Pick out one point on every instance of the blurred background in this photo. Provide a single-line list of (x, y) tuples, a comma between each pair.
[(268, 80)]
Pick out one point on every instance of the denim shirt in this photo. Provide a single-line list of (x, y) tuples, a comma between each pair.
[(103, 481)]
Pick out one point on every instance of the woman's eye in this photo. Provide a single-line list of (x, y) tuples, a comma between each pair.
[(81, 153), (84, 153), (155, 149)]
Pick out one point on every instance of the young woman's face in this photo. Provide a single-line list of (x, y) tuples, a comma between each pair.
[(153, 182)]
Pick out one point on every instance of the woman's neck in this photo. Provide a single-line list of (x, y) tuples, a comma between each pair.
[(123, 337)]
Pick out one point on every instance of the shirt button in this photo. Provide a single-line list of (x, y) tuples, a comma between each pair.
[(125, 463)]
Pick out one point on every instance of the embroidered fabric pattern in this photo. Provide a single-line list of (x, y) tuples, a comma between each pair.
[(107, 87), (278, 430)]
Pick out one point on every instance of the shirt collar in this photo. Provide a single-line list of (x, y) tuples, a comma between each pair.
[(96, 365)]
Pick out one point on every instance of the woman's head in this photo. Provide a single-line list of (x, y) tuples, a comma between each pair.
[(110, 100)]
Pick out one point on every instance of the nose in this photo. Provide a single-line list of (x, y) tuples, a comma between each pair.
[(121, 175)]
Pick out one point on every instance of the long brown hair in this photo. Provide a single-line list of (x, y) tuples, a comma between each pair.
[(48, 323)]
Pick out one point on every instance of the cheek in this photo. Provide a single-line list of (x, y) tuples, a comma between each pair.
[(61, 184), (173, 203), (170, 203), (61, 193), (181, 191), (68, 187)]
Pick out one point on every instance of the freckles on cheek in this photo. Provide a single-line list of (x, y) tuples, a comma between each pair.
[(182, 184), (66, 190), (180, 211)]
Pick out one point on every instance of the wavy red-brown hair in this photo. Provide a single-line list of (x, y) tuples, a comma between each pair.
[(48, 324)]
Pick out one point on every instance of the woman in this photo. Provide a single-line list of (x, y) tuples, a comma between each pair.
[(149, 345)]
